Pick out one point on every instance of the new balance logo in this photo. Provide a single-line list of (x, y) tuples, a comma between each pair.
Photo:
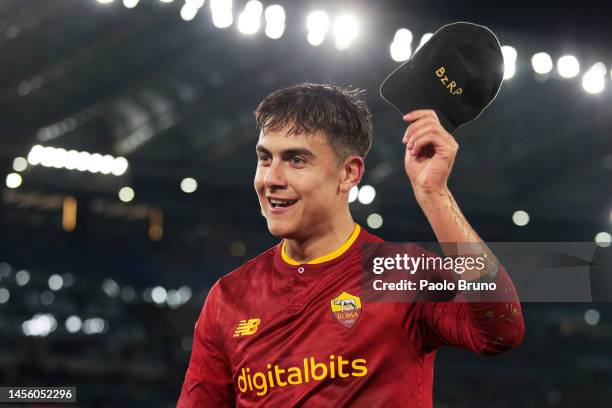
[(247, 327)]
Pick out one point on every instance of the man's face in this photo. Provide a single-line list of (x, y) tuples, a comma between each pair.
[(298, 183)]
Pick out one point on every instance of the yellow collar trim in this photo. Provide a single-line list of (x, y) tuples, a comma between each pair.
[(324, 258)]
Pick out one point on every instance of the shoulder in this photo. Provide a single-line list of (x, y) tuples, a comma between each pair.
[(249, 274), (367, 236)]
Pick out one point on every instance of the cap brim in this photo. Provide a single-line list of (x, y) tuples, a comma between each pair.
[(405, 91)]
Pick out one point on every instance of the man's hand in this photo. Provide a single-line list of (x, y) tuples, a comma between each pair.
[(430, 153)]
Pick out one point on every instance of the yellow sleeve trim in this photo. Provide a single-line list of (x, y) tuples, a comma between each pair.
[(324, 258)]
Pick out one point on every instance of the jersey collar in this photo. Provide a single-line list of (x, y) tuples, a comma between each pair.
[(325, 258)]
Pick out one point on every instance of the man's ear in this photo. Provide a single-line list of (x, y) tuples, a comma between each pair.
[(352, 173)]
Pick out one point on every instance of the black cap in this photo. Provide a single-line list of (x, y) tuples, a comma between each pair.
[(457, 73)]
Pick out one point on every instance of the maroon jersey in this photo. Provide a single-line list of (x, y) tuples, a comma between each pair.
[(275, 333)]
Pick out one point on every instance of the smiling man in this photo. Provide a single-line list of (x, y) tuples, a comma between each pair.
[(291, 327)]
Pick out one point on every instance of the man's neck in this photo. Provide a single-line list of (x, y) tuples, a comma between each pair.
[(331, 237)]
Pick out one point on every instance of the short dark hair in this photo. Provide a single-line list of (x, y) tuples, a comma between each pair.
[(340, 113)]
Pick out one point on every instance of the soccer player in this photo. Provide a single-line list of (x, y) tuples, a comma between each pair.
[(290, 327)]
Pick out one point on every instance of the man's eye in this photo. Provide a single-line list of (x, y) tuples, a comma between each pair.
[(297, 160), (263, 157)]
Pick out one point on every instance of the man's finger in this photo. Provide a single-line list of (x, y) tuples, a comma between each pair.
[(426, 139), (414, 127), (434, 128), (423, 131), (420, 113)]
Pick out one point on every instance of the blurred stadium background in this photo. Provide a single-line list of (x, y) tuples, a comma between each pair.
[(127, 155)]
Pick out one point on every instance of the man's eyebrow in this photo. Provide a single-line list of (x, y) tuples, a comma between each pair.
[(297, 152), (288, 152), (260, 149)]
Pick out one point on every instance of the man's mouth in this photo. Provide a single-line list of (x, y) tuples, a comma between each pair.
[(277, 203)]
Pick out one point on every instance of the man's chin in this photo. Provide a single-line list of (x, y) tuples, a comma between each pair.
[(281, 229)]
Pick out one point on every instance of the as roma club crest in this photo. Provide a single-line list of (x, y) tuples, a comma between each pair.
[(346, 308)]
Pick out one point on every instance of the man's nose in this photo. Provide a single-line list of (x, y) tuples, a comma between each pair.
[(275, 178)]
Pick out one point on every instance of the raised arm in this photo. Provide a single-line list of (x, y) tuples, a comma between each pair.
[(486, 327)]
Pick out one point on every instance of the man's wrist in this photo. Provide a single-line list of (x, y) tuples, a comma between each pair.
[(427, 197)]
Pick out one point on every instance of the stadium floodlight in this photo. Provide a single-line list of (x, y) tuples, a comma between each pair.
[(82, 163), (185, 293), (374, 221), (110, 287), (24, 88), (68, 279), (166, 1), (249, 20), (195, 3), (47, 298), (222, 13), (317, 23), (366, 194), (130, 4), (95, 164), (275, 31), (105, 1), (509, 52), (13, 180), (159, 295), (220, 6), (22, 277), (95, 325), (542, 63), (603, 239), (128, 294), (189, 185), (188, 12), (401, 47), (599, 68), (72, 160), (39, 325), (5, 295), (35, 155), (174, 299), (568, 66), (73, 324), (353, 194), (20, 164), (120, 166), (346, 29), (126, 194), (520, 218), (426, 37), (591, 317), (47, 157), (55, 282), (275, 14), (223, 20), (594, 80), (275, 21), (58, 157), (510, 56), (106, 164)]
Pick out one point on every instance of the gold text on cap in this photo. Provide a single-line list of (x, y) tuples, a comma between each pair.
[(452, 87)]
